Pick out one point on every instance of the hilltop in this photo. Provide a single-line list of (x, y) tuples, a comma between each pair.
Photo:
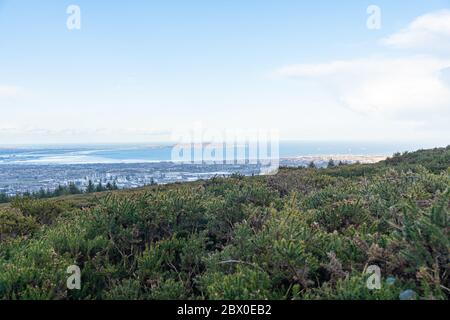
[(304, 233)]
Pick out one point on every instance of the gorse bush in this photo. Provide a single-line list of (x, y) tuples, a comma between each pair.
[(44, 211), (13, 223), (245, 283), (301, 234)]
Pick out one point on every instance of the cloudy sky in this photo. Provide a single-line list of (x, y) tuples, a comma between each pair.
[(138, 70)]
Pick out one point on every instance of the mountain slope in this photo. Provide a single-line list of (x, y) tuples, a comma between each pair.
[(301, 234)]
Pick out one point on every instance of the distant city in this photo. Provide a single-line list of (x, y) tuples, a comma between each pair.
[(16, 179), (32, 169)]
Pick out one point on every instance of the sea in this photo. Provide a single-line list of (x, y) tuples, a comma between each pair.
[(162, 152)]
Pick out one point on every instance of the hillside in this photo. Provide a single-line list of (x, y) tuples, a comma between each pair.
[(301, 234)]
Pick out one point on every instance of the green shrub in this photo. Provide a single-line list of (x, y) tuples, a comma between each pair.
[(33, 271), (425, 245), (170, 289), (244, 284), (44, 211), (353, 288), (127, 289), (13, 223)]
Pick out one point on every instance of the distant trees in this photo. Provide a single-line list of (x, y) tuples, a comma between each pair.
[(331, 163), (312, 165), (90, 187), (4, 198), (73, 189), (69, 189), (108, 187), (100, 188)]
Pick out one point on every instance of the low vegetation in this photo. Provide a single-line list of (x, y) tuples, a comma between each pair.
[(304, 233), (69, 189)]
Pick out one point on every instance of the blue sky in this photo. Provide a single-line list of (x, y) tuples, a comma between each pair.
[(137, 70)]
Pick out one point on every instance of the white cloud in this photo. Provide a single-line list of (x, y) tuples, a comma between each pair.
[(407, 88), (384, 86), (9, 91), (430, 31)]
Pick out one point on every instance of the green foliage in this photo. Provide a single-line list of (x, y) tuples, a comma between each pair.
[(13, 223), (436, 160), (32, 270), (426, 243), (44, 211), (244, 284), (304, 233), (69, 189), (352, 288), (127, 289)]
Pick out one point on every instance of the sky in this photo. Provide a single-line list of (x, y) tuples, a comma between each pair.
[(136, 71)]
